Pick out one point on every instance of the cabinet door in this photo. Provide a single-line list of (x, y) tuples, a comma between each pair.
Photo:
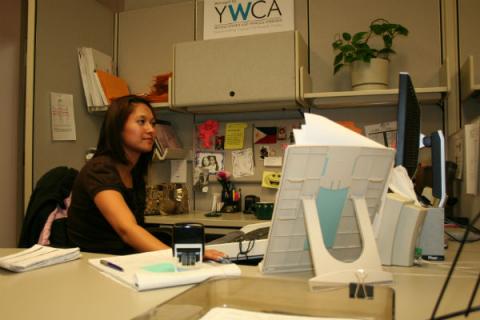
[(259, 68)]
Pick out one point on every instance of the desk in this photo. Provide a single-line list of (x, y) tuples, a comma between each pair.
[(75, 290), (213, 225)]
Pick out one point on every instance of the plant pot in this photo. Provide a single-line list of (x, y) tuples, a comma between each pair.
[(370, 76)]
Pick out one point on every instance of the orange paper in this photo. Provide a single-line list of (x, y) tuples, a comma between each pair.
[(113, 86)]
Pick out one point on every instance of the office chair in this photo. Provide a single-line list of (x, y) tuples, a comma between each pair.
[(50, 191)]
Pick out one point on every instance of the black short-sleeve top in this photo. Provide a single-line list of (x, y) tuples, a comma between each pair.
[(87, 228)]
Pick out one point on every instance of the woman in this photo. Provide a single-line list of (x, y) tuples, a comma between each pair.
[(108, 196)]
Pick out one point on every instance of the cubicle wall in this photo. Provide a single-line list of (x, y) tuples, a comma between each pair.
[(145, 36), (62, 27), (469, 25), (10, 91)]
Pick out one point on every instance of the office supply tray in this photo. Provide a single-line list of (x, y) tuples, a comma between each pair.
[(288, 296)]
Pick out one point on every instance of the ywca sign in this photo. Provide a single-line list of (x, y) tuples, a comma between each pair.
[(232, 18)]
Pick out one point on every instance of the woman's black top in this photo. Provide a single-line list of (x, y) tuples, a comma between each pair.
[(86, 226)]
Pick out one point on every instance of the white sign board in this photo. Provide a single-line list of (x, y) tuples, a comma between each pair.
[(232, 18)]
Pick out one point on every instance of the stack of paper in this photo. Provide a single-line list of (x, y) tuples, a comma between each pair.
[(158, 269), (38, 257), (90, 61), (319, 130)]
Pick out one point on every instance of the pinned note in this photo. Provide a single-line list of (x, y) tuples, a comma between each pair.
[(234, 135)]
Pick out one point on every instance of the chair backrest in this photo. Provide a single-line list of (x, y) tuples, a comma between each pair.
[(50, 191)]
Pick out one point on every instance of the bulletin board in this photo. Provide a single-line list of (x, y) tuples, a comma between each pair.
[(267, 140)]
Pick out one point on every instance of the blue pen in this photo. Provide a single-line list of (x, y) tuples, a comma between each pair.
[(111, 265)]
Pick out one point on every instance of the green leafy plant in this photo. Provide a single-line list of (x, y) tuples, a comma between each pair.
[(356, 48)]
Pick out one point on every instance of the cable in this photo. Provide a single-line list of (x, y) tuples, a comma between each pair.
[(449, 276), (250, 245)]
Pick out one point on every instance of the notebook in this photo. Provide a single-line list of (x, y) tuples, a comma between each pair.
[(158, 269)]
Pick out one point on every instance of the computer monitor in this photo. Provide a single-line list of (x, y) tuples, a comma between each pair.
[(408, 125), (410, 139)]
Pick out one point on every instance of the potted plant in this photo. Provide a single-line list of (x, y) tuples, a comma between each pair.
[(369, 65)]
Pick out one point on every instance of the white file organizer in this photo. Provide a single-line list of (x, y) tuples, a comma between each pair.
[(357, 176)]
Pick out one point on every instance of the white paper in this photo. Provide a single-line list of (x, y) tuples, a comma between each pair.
[(62, 117), (219, 313), (319, 130), (242, 161), (38, 257), (272, 162), (178, 171), (401, 183), (90, 60)]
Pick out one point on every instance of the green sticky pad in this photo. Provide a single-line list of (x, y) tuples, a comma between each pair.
[(161, 267)]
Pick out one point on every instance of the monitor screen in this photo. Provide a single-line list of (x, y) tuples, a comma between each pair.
[(408, 125)]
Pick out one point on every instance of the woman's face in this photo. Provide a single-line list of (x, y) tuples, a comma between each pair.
[(212, 160), (139, 130), (205, 162)]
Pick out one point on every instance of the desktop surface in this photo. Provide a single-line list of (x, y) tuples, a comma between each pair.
[(76, 290), (218, 225)]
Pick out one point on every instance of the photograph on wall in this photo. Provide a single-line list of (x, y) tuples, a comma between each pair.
[(200, 179), (213, 161)]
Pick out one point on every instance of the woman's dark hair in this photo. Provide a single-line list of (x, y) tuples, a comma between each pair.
[(110, 141)]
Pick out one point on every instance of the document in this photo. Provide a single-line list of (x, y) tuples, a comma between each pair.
[(384, 133), (62, 117), (90, 61), (219, 313), (322, 131), (242, 163), (178, 171), (234, 135), (159, 269), (38, 257)]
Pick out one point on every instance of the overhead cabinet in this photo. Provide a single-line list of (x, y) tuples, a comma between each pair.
[(256, 72)]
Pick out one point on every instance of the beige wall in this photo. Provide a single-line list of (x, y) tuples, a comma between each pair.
[(10, 46), (62, 27)]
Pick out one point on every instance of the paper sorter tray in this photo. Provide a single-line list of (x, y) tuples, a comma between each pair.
[(273, 295)]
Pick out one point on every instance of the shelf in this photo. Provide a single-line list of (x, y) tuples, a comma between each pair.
[(382, 97), (365, 98), (155, 105), (171, 154), (470, 77)]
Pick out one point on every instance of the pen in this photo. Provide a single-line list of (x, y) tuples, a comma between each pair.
[(111, 265)]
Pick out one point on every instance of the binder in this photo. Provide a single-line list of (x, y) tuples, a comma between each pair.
[(91, 60)]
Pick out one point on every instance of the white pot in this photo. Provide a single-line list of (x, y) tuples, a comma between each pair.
[(370, 76)]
